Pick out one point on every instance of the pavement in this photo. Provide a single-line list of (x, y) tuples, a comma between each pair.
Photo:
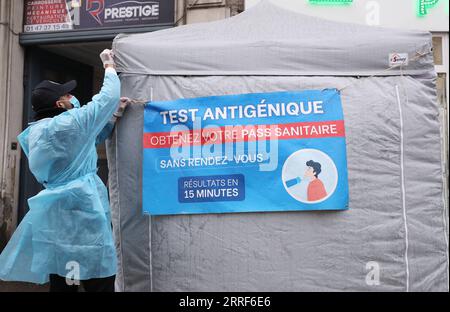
[(22, 287)]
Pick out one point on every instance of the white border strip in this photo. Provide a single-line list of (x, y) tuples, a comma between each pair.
[(150, 250), (444, 221), (403, 186), (150, 267), (119, 230)]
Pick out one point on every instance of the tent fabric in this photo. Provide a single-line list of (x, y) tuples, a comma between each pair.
[(269, 40), (396, 217)]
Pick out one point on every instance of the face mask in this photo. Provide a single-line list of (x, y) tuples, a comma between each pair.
[(74, 101)]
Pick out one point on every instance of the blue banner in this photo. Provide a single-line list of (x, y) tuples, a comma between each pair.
[(278, 151)]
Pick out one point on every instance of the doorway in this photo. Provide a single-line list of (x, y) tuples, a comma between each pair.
[(40, 65)]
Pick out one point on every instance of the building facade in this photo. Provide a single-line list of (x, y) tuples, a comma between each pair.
[(39, 41), (60, 40), (11, 105)]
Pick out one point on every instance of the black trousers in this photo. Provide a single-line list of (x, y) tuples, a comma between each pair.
[(106, 284)]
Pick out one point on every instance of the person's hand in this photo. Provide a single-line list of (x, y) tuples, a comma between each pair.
[(124, 102), (107, 57)]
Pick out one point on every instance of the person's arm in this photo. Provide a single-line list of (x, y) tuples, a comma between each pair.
[(107, 130), (93, 117)]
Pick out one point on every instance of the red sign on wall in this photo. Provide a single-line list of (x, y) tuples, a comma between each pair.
[(47, 15), (56, 15)]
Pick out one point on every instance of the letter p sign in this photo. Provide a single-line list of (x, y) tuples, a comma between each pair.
[(425, 5)]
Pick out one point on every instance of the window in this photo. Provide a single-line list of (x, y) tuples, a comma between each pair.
[(440, 51), (437, 50)]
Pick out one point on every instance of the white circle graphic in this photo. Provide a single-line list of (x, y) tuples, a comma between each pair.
[(310, 176)]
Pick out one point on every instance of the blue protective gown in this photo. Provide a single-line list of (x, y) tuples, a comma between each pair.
[(69, 221)]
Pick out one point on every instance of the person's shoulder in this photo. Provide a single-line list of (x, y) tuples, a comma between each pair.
[(63, 122), (317, 182)]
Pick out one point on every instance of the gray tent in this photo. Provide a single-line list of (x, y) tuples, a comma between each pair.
[(396, 220)]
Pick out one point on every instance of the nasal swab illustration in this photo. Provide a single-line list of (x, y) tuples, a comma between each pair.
[(293, 182)]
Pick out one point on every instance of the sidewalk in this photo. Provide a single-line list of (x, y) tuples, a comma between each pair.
[(22, 287)]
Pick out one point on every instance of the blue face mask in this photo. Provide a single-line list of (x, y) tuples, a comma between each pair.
[(74, 101)]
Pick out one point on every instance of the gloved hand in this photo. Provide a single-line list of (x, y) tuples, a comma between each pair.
[(107, 57), (124, 102)]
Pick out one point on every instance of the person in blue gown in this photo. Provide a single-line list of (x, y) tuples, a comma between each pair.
[(66, 235)]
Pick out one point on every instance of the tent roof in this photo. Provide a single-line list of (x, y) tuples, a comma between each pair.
[(270, 40)]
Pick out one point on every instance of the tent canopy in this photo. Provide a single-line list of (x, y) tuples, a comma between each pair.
[(270, 40), (396, 218)]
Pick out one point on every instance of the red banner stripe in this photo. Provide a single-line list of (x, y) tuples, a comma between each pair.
[(228, 134)]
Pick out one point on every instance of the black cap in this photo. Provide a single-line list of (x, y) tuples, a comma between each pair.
[(46, 93)]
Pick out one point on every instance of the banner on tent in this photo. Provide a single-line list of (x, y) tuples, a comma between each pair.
[(274, 151)]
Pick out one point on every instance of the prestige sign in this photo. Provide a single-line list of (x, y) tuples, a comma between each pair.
[(132, 11), (56, 15)]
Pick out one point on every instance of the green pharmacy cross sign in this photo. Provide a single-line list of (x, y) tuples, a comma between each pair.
[(422, 5)]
